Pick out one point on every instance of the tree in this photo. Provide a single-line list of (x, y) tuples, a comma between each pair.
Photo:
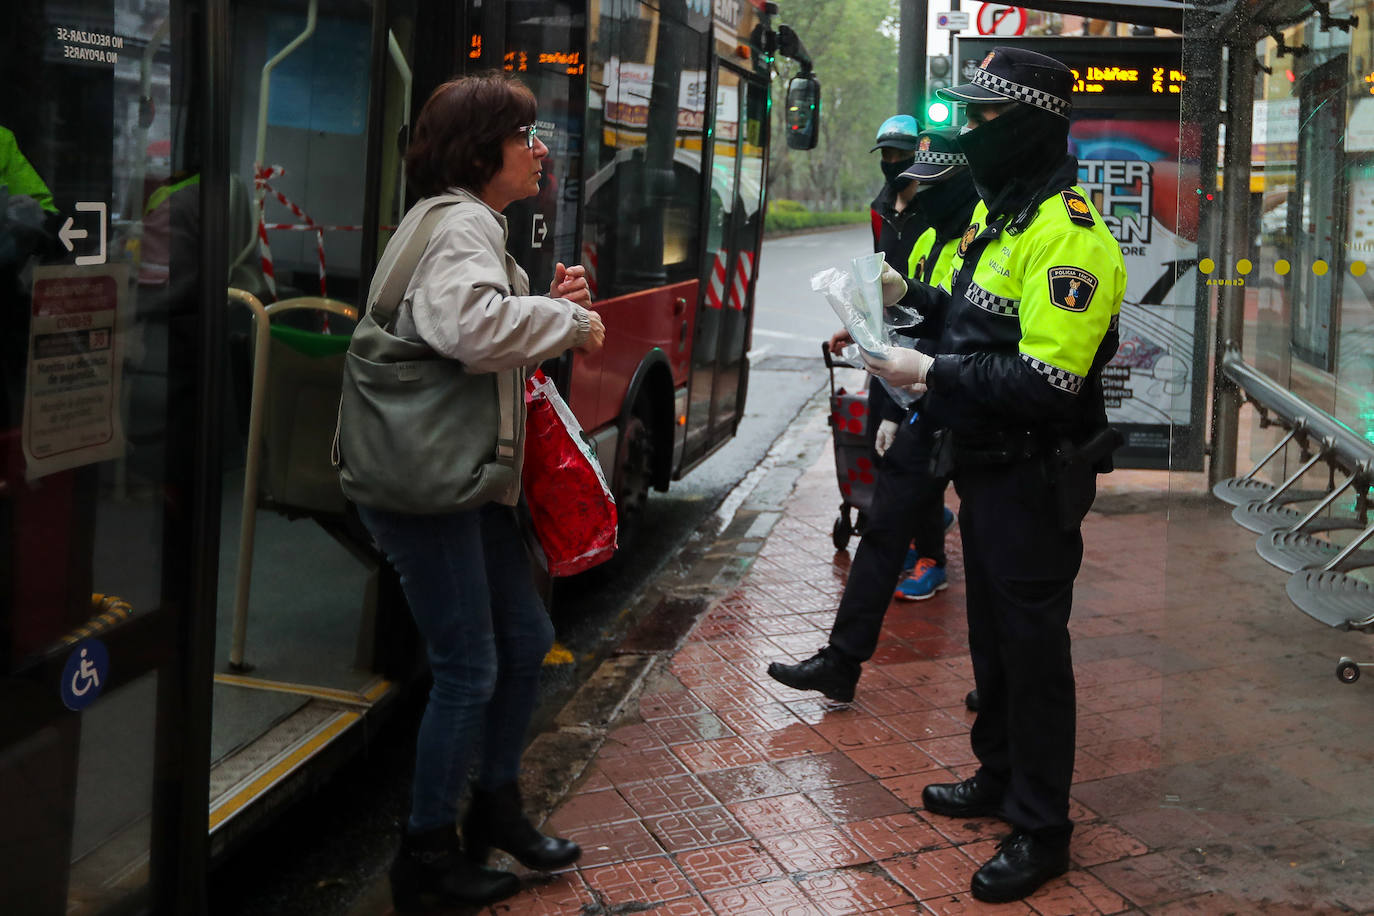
[(853, 46)]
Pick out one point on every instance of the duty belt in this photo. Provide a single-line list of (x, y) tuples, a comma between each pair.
[(1002, 447)]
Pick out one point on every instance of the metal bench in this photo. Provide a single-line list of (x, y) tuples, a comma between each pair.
[(1307, 542)]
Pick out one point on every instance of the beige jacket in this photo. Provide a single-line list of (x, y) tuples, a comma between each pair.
[(469, 300)]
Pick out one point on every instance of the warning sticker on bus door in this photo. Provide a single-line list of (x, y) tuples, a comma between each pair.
[(71, 401)]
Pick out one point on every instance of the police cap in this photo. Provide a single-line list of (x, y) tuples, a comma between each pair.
[(938, 155), (1010, 74)]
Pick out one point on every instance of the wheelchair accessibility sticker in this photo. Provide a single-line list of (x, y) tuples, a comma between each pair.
[(86, 671)]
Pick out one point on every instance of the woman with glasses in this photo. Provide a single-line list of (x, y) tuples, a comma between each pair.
[(466, 574)]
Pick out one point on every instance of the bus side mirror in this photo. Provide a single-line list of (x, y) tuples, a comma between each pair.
[(803, 112)]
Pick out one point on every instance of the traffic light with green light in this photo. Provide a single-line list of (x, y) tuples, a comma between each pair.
[(939, 113)]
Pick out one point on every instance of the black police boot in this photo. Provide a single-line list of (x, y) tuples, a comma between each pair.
[(430, 871), (1023, 862), (971, 701), (977, 796), (827, 671), (497, 818)]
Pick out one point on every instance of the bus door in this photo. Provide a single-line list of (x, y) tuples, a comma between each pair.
[(321, 93), (734, 225), (107, 500)]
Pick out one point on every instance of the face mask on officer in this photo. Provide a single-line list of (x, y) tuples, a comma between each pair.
[(892, 171), (1021, 142), (941, 199)]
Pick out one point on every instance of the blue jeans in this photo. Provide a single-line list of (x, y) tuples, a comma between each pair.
[(467, 579)]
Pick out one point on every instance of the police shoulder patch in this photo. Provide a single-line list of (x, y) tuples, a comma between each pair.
[(966, 240), (1071, 288), (1079, 210)]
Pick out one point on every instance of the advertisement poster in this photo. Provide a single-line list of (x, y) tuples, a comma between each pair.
[(1125, 133), (71, 402), (1129, 168)]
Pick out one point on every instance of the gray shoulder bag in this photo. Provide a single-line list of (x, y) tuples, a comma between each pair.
[(417, 433)]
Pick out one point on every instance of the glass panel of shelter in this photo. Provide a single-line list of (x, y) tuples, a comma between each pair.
[(1302, 273)]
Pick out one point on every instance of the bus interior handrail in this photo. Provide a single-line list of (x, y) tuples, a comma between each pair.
[(264, 95), (252, 468)]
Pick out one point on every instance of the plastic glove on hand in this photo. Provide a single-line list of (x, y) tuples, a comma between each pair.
[(902, 367), (887, 432), (894, 285), (839, 340)]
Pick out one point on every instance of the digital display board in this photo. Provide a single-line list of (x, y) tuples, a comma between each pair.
[(1149, 79), (1146, 71)]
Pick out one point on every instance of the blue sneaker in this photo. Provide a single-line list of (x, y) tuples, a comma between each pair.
[(925, 580), (912, 557)]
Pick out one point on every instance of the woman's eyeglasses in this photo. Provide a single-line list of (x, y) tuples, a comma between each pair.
[(529, 131)]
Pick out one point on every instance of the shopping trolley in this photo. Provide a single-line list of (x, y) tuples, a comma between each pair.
[(854, 467)]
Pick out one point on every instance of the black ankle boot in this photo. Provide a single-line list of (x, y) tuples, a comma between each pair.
[(827, 671), (496, 818), (430, 870)]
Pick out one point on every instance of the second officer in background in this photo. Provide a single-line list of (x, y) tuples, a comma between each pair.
[(1030, 321), (908, 502)]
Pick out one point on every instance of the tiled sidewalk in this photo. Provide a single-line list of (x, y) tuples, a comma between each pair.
[(1221, 767)]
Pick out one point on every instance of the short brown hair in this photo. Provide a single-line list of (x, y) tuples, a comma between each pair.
[(461, 130)]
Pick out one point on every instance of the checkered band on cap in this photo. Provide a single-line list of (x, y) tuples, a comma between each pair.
[(1062, 379), (932, 157), (989, 302), (1031, 96)]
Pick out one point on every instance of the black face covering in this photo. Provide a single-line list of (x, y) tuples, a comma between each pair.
[(1018, 146), (892, 171), (947, 202)]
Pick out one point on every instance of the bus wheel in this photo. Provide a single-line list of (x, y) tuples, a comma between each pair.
[(635, 472)]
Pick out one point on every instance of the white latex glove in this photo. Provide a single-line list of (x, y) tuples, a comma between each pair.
[(903, 367), (887, 431), (916, 388), (894, 285)]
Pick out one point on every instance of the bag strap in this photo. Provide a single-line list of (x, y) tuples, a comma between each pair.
[(392, 289)]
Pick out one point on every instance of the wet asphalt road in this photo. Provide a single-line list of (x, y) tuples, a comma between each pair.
[(321, 853)]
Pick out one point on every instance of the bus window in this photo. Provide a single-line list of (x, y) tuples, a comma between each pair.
[(643, 193), (299, 152), (544, 47)]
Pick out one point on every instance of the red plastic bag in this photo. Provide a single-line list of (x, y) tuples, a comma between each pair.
[(571, 505)]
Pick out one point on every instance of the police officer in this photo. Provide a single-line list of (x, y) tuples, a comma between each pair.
[(897, 223), (907, 501), (1030, 320)]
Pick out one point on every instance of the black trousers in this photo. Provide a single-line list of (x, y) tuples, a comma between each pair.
[(1019, 569), (907, 503)]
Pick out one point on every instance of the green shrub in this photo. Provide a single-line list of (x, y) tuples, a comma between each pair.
[(782, 205), (787, 220)]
